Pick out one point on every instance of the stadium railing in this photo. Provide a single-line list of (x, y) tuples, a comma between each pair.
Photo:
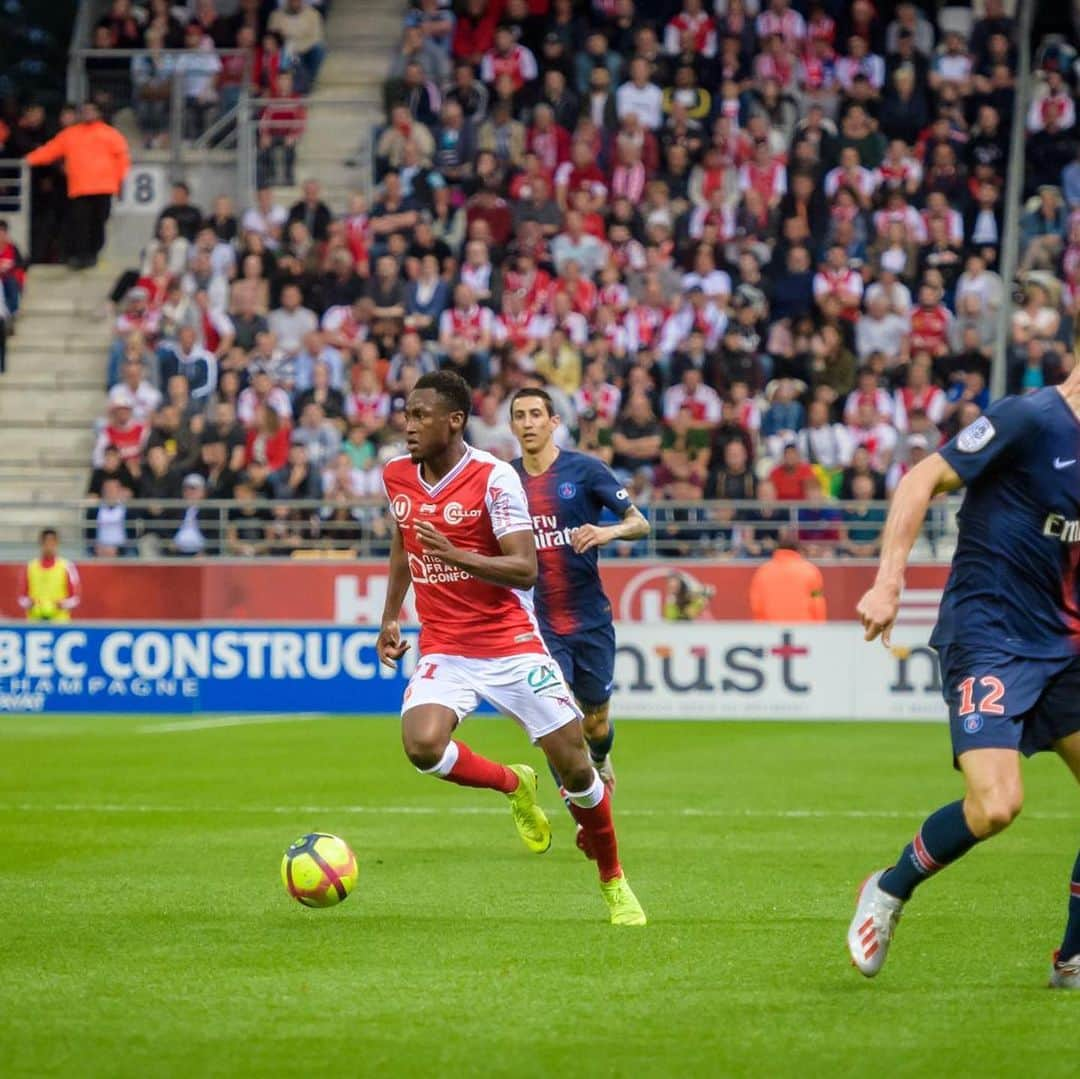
[(81, 30), (347, 167), (15, 200), (97, 73), (728, 530), (226, 131)]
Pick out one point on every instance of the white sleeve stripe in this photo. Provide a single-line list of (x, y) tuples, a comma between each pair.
[(506, 502)]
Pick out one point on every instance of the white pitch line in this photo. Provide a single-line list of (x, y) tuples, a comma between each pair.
[(482, 811), (230, 721)]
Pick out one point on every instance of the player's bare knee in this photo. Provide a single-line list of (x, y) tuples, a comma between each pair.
[(570, 761), (579, 776), (424, 745), (992, 811), (595, 720), (424, 755)]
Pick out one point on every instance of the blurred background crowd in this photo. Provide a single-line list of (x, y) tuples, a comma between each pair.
[(751, 248)]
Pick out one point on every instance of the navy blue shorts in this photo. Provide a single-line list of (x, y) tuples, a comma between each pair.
[(1002, 701), (587, 661)]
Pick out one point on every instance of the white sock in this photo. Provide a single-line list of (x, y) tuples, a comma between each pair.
[(446, 762), (593, 796)]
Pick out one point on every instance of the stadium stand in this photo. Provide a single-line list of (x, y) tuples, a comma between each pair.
[(769, 225)]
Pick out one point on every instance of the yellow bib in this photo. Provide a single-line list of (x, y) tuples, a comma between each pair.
[(47, 587)]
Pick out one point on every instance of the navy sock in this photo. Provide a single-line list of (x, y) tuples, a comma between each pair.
[(944, 837), (599, 748), (1070, 946)]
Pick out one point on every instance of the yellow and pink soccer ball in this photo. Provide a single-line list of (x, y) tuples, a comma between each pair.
[(319, 870)]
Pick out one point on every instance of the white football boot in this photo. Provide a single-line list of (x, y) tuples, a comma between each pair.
[(1065, 973), (871, 930)]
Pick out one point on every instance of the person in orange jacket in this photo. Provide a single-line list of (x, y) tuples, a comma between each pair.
[(96, 160), (787, 588)]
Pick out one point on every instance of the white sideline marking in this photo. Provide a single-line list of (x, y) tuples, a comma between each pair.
[(480, 811), (229, 721)]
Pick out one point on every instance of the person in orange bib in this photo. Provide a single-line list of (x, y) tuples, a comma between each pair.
[(50, 588), (787, 588), (96, 160)]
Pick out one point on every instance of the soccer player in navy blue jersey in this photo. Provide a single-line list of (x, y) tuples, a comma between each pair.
[(567, 493), (1008, 638)]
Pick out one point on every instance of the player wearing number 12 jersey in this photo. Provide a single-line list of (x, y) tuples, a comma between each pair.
[(1008, 637), (464, 540)]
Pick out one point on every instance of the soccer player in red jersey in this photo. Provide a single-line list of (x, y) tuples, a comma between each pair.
[(464, 540)]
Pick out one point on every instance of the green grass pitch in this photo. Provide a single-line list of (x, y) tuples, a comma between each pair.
[(144, 930)]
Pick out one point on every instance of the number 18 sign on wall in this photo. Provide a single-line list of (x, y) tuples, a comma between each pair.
[(144, 190)]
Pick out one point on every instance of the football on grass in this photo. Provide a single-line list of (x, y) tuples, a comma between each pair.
[(319, 870)]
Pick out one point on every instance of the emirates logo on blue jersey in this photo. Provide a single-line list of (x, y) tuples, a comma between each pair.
[(567, 490)]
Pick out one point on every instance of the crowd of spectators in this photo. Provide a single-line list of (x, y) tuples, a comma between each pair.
[(751, 252), (276, 47)]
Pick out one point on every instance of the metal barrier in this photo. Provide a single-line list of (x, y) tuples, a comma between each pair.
[(362, 528), (273, 166), (86, 15), (15, 201), (151, 91), (157, 86), (1014, 188)]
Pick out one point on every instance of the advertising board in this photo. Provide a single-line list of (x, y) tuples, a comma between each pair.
[(352, 593), (723, 671)]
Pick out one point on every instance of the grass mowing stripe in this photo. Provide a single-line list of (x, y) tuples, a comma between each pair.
[(231, 721), (146, 930), (492, 811)]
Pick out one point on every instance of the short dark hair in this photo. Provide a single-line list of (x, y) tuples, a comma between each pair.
[(46, 532), (451, 387), (533, 391)]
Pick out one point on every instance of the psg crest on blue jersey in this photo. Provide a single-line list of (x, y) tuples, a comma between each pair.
[(973, 723), (567, 490)]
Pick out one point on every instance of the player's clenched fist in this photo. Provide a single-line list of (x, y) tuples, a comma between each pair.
[(877, 610), (390, 647)]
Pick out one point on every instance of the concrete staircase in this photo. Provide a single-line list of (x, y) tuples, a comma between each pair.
[(50, 395), (54, 387), (361, 37)]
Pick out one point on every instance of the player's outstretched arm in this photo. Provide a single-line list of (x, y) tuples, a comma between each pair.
[(879, 607), (514, 568), (633, 526), (390, 647)]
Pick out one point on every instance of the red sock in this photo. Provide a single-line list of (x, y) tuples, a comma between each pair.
[(600, 835), (472, 770)]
